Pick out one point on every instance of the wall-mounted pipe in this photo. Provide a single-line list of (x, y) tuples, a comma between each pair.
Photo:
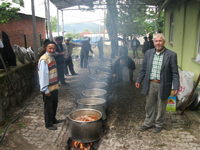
[(25, 44)]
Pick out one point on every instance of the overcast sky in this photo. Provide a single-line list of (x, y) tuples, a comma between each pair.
[(70, 16)]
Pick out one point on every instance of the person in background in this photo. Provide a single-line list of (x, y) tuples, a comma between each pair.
[(68, 47), (124, 39), (121, 62), (145, 45), (86, 47), (113, 48), (159, 70), (60, 61), (151, 45), (126, 42), (42, 50), (100, 47), (135, 44), (48, 81)]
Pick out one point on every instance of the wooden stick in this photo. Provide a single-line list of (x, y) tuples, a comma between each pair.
[(194, 88)]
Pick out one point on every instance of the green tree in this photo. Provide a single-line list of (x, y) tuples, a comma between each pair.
[(86, 30), (54, 23), (7, 13), (131, 18), (149, 25), (72, 35)]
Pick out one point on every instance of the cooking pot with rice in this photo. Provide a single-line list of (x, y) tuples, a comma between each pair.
[(85, 125)]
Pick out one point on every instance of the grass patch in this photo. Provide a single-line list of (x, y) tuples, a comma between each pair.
[(21, 125), (161, 145), (190, 131)]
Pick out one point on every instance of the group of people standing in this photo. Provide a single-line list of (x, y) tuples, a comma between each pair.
[(148, 44), (159, 70)]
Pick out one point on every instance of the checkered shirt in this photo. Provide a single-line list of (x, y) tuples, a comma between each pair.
[(156, 66)]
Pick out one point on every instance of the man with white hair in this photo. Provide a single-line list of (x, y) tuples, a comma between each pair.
[(159, 70)]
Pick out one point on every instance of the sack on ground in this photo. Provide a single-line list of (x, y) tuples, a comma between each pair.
[(186, 83)]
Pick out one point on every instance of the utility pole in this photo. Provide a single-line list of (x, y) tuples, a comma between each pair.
[(104, 28), (50, 35), (34, 30), (58, 21)]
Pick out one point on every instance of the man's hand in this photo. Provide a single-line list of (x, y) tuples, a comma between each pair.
[(175, 92), (65, 56), (63, 53), (48, 94), (137, 85), (114, 75)]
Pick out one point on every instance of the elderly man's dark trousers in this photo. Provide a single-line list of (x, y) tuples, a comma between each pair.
[(50, 107), (84, 60), (69, 63), (60, 71)]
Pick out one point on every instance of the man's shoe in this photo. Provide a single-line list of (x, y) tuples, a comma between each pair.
[(157, 129), (67, 74), (57, 121), (52, 128), (75, 74), (64, 83), (144, 128)]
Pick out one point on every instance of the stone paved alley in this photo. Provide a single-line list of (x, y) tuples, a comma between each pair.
[(125, 114)]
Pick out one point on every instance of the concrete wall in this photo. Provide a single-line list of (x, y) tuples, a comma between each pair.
[(186, 27), (24, 78), (16, 30)]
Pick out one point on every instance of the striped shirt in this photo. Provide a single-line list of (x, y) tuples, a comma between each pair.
[(156, 65)]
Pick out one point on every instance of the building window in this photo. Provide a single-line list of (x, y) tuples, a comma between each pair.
[(171, 27), (198, 46)]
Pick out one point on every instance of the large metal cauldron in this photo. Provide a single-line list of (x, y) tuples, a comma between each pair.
[(85, 132), (93, 103), (105, 65), (98, 85), (103, 68), (94, 93), (100, 77)]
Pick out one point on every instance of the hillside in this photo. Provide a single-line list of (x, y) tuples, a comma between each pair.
[(78, 28)]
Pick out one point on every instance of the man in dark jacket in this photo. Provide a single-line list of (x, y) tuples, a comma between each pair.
[(86, 47), (135, 44), (60, 60), (159, 70), (150, 42), (145, 45), (121, 62)]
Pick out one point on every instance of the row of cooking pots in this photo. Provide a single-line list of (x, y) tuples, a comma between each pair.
[(93, 104)]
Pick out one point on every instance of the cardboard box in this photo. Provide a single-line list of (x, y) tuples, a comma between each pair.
[(171, 104)]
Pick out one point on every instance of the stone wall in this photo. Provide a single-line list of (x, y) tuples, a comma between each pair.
[(24, 78)]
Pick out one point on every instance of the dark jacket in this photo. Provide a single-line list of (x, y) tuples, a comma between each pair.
[(137, 43), (128, 63), (59, 58), (169, 73), (100, 44), (151, 44), (145, 47), (86, 47)]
